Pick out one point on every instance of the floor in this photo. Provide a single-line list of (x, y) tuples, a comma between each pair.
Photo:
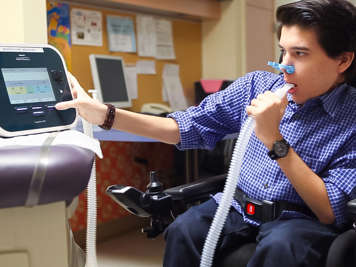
[(131, 250)]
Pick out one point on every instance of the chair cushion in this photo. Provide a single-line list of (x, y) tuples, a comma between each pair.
[(68, 172), (343, 250)]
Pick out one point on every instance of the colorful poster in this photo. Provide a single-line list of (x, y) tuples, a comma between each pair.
[(58, 27), (86, 27)]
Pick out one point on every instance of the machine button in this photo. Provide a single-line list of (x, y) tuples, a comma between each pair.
[(21, 109), (40, 121), (50, 107), (38, 113), (36, 108), (57, 76)]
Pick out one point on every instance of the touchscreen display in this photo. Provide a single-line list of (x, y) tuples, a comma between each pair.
[(28, 85)]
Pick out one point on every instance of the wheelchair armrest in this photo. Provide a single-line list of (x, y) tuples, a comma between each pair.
[(351, 210), (201, 188), (162, 206)]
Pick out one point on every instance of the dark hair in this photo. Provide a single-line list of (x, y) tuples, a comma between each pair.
[(334, 22)]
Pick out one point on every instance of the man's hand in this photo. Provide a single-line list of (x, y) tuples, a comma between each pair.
[(267, 109), (91, 110)]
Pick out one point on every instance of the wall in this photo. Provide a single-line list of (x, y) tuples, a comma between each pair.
[(232, 45), (276, 47), (20, 25), (187, 45), (223, 43)]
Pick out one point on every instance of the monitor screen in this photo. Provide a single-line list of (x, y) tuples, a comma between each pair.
[(109, 80), (28, 85)]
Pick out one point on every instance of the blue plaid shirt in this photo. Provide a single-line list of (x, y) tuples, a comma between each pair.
[(322, 132)]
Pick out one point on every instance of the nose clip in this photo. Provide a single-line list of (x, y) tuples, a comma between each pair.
[(289, 68)]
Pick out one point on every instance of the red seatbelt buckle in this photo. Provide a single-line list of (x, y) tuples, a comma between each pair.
[(250, 209)]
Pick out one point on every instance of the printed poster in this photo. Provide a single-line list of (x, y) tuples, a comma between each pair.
[(121, 34), (86, 27)]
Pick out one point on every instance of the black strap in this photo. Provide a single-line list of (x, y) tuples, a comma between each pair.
[(285, 205), (268, 213)]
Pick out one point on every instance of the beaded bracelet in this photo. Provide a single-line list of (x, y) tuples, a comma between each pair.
[(110, 117)]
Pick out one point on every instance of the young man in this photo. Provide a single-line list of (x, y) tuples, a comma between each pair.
[(312, 174)]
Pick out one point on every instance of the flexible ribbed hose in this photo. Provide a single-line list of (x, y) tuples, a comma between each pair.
[(230, 186), (91, 260)]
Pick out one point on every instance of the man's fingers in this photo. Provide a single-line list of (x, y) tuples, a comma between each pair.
[(284, 102), (66, 105), (250, 110)]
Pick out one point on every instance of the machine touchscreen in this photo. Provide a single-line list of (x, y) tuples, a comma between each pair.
[(28, 85)]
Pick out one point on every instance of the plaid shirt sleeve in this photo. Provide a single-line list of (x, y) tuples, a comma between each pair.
[(221, 113), (340, 180)]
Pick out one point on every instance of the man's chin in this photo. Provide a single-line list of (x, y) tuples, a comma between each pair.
[(298, 100)]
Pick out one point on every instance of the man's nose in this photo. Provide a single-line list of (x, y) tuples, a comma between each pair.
[(286, 66)]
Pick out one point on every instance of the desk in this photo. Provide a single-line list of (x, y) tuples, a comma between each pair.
[(191, 171), (191, 156), (113, 135), (116, 135)]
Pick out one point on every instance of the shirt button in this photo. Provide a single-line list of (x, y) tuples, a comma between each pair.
[(266, 186)]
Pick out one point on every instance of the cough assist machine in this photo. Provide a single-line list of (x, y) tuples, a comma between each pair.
[(36, 149)]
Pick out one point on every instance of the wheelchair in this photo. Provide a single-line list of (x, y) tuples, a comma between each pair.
[(161, 206)]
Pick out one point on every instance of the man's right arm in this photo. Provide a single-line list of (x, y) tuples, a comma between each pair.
[(162, 129)]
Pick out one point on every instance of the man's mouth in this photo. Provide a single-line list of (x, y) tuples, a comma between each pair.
[(293, 89)]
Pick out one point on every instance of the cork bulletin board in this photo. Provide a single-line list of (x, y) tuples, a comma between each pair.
[(187, 44)]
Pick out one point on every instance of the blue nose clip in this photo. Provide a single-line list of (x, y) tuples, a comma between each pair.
[(289, 68)]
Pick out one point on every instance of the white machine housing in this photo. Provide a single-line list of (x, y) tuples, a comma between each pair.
[(33, 78)]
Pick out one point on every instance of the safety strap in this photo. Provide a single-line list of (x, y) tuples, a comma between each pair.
[(265, 210), (39, 173)]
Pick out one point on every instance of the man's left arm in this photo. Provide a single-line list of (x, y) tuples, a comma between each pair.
[(310, 187), (267, 109)]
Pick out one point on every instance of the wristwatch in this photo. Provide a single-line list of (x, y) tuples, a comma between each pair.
[(279, 150)]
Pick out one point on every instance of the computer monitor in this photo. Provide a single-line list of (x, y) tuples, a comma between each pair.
[(109, 80)]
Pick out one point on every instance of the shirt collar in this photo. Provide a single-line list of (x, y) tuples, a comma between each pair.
[(328, 100)]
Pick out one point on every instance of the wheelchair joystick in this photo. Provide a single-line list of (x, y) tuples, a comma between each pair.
[(159, 205), (155, 186)]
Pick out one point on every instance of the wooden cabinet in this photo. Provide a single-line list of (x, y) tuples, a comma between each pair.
[(191, 9)]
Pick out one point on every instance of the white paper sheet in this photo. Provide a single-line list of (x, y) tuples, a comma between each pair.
[(146, 67), (146, 36), (86, 27), (173, 87), (131, 81), (121, 34), (164, 39), (164, 92), (69, 137)]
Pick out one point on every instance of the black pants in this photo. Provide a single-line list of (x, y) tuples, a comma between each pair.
[(292, 242)]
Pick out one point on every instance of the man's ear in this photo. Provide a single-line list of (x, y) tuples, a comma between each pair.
[(345, 61)]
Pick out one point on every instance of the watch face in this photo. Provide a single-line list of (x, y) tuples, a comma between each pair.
[(281, 148)]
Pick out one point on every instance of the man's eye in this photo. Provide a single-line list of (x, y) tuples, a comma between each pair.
[(300, 53)]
